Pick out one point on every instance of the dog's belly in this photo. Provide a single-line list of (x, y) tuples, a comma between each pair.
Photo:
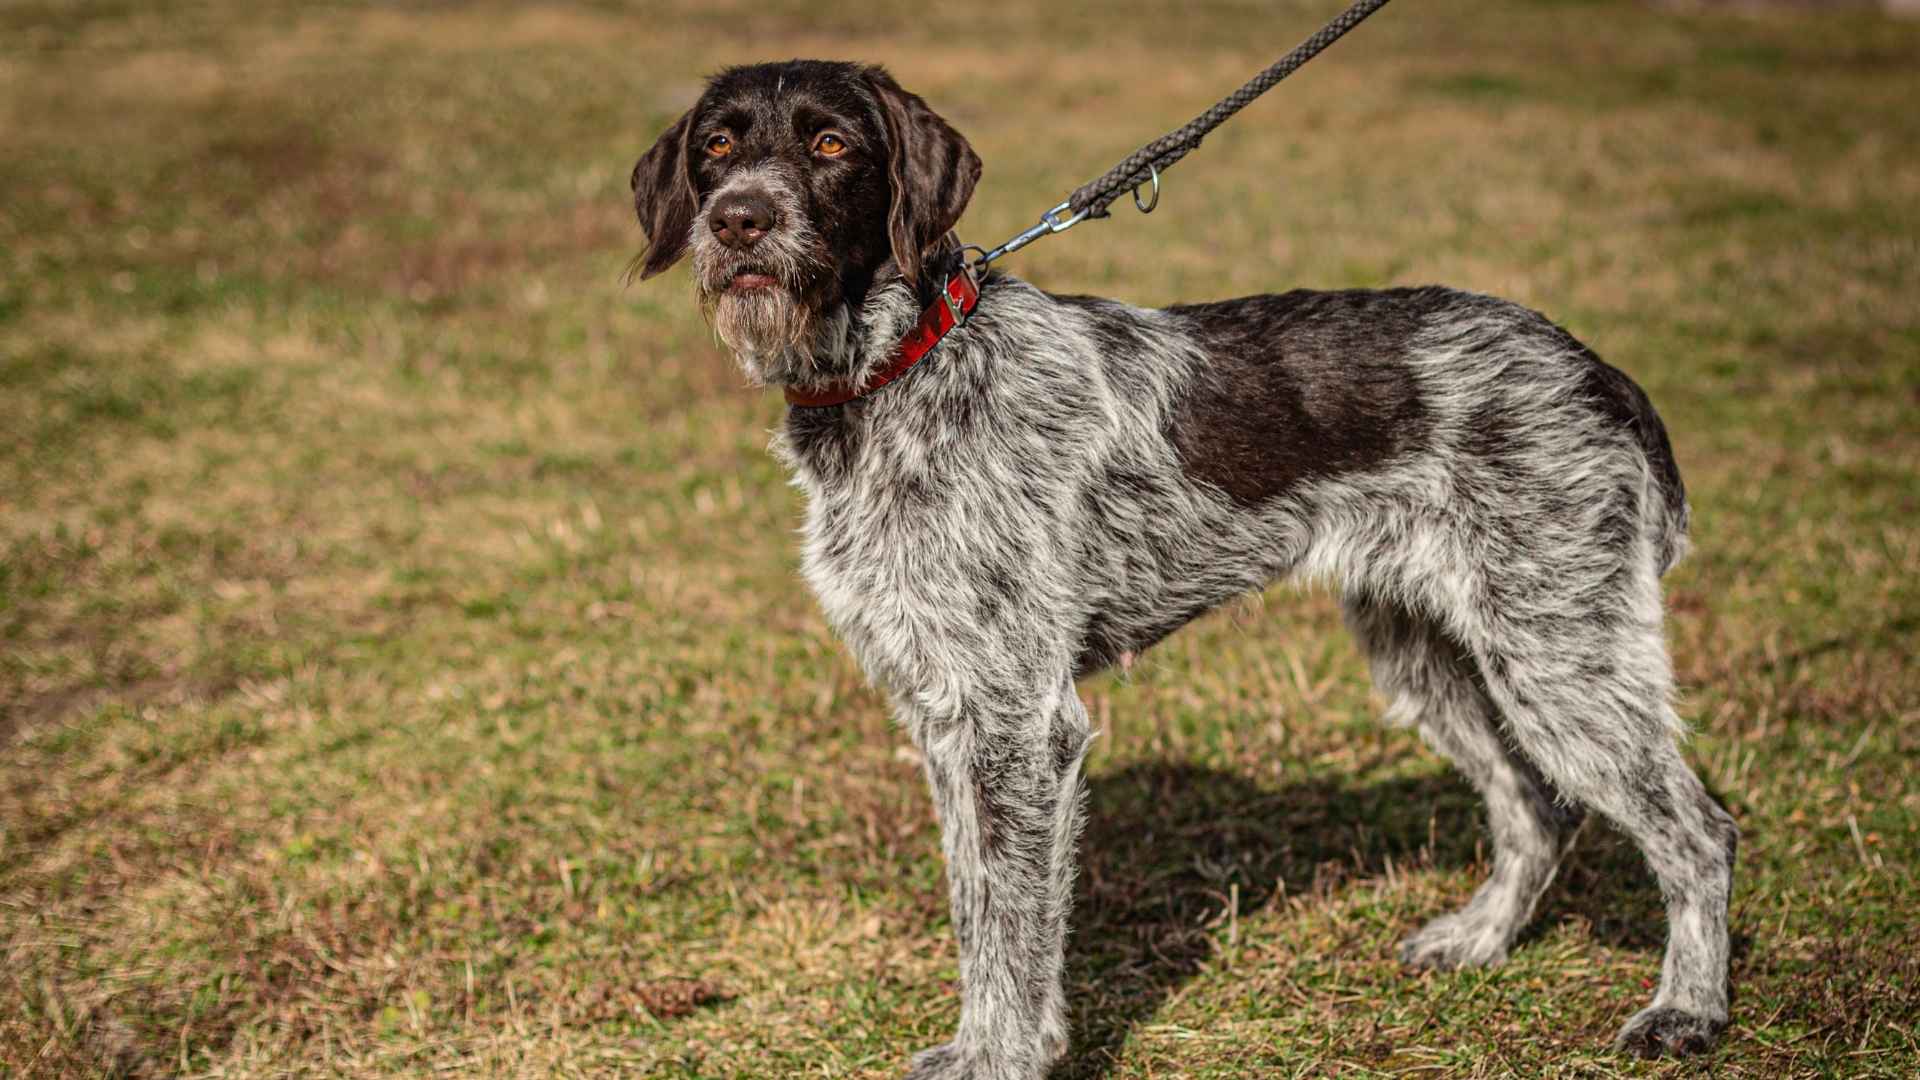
[(1188, 553), (1114, 634)]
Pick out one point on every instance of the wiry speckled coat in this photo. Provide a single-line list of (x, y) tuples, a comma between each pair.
[(1066, 480)]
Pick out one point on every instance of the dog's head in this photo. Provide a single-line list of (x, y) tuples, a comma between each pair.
[(793, 185)]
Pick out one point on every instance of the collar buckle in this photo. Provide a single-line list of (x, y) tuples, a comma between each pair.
[(954, 308)]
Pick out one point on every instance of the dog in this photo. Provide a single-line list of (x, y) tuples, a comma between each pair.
[(1059, 482)]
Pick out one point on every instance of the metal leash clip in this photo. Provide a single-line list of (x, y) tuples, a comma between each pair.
[(1050, 222), (1051, 218), (1053, 222)]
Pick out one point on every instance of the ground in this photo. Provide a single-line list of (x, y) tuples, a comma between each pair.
[(404, 666)]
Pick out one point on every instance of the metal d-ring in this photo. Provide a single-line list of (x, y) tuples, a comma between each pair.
[(1148, 208), (975, 264)]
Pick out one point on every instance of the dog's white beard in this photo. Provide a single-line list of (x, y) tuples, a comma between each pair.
[(768, 329), (776, 338)]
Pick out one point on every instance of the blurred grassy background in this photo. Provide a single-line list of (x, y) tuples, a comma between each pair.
[(403, 665)]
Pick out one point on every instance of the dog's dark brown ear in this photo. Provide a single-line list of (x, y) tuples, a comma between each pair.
[(932, 170), (663, 197)]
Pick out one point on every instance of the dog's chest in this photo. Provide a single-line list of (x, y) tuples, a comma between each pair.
[(927, 550), (919, 543)]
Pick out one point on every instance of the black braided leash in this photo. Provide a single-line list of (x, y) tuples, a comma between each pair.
[(1146, 164), (1161, 153)]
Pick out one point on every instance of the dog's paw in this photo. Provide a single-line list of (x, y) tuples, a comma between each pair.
[(1661, 1031), (940, 1063), (948, 1062), (1451, 942)]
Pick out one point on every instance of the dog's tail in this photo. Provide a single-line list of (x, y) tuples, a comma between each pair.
[(1672, 535), (1666, 492)]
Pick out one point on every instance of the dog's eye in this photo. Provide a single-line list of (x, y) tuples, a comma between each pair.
[(828, 144), (719, 146)]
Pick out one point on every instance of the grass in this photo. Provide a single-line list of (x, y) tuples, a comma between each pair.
[(403, 664)]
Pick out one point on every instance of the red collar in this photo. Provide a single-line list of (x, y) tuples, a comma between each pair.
[(956, 302)]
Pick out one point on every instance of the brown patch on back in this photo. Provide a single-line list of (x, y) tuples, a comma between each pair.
[(1300, 386)]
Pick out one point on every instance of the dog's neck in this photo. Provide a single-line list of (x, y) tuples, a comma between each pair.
[(819, 444), (850, 343)]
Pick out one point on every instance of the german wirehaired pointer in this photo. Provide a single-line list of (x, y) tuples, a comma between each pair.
[(1065, 480)]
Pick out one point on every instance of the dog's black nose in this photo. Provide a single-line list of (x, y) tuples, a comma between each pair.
[(739, 220)]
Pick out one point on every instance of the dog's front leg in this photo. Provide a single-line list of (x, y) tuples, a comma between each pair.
[(1005, 774)]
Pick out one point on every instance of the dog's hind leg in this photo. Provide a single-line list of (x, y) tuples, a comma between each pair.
[(1433, 685), (1585, 700)]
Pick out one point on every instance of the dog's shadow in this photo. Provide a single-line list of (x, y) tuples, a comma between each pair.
[(1168, 846)]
